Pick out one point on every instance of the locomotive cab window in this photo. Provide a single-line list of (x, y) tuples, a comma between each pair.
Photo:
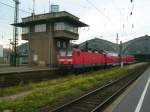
[(62, 53), (69, 53)]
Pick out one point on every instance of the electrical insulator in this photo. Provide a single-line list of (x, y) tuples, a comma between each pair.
[(123, 26), (132, 25)]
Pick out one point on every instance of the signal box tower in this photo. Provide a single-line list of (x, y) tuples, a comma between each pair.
[(49, 35)]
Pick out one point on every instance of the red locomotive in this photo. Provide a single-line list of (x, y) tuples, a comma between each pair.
[(85, 59)]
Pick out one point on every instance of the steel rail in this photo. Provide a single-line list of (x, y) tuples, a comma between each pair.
[(98, 90), (109, 100)]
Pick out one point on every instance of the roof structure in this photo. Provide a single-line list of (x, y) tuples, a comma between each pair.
[(62, 16), (140, 45)]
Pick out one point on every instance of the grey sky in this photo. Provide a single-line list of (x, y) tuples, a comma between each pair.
[(112, 16)]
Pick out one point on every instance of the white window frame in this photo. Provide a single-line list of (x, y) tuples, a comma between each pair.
[(75, 29), (65, 26), (59, 26), (25, 30), (64, 45), (58, 44), (40, 28)]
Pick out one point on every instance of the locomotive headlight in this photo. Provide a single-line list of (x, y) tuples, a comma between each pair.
[(61, 59), (70, 60)]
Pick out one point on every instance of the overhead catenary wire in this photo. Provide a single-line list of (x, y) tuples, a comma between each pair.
[(22, 10), (128, 19), (100, 12), (104, 15), (126, 25), (6, 20)]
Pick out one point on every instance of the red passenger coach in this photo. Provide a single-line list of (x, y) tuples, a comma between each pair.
[(127, 59), (112, 59)]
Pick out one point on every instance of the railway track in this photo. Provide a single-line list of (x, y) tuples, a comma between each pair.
[(99, 99)]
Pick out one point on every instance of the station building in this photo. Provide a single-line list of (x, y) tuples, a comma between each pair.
[(49, 36)]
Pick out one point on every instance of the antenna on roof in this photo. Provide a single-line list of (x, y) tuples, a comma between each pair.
[(49, 5), (2, 36), (53, 7), (33, 7), (117, 39)]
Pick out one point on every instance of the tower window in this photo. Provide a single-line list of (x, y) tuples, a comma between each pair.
[(64, 45), (59, 26), (65, 26), (58, 44), (40, 28), (25, 30)]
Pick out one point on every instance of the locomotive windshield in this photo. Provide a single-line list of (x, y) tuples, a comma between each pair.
[(69, 53), (65, 53), (62, 53)]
